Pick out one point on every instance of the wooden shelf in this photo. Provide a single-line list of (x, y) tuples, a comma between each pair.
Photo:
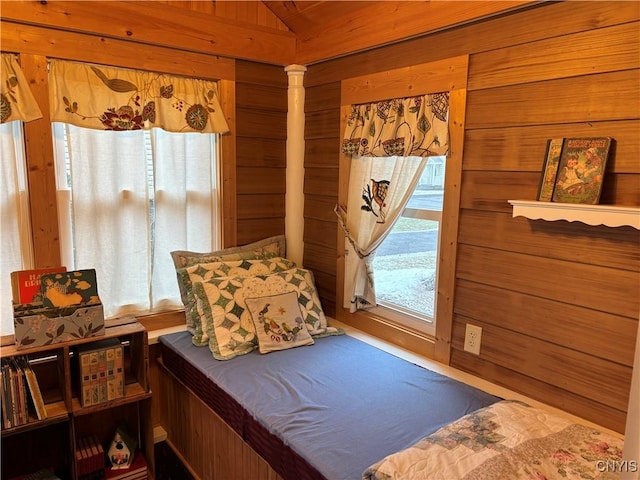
[(608, 215), (57, 371), (133, 393)]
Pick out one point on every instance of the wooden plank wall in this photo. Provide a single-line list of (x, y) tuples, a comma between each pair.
[(558, 302), (256, 107), (261, 139), (321, 160)]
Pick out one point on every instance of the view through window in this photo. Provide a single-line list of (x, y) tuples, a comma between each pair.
[(406, 264)]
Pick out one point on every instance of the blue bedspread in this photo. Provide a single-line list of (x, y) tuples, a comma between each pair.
[(340, 404)]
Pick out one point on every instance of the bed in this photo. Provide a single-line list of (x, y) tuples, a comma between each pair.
[(301, 400), (323, 411)]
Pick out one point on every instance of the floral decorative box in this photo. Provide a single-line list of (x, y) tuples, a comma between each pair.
[(46, 326)]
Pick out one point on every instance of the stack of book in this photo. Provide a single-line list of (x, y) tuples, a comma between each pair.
[(20, 393), (137, 470), (89, 457), (101, 366)]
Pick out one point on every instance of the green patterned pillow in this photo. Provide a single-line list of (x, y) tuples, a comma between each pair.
[(231, 268), (221, 301), (278, 321), (267, 248)]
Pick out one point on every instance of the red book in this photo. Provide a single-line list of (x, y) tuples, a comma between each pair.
[(25, 284)]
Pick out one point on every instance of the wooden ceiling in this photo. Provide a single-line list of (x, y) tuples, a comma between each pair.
[(301, 17), (270, 31), (327, 29)]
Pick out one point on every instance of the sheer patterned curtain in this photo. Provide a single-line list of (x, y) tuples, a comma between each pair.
[(107, 213), (389, 142), (17, 105), (15, 231), (16, 100), (187, 205), (136, 171), (109, 98), (379, 189), (126, 200)]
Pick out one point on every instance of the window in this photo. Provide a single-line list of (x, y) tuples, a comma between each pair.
[(406, 264), (126, 200), (15, 231)]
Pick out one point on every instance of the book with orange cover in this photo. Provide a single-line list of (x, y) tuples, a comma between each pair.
[(25, 284)]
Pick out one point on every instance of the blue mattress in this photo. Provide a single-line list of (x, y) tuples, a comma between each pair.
[(327, 410)]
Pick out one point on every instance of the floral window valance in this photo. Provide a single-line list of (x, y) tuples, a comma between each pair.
[(413, 126), (16, 100), (108, 98)]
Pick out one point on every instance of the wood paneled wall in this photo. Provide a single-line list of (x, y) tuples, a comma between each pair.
[(210, 447), (321, 161), (253, 153), (558, 302), (261, 115)]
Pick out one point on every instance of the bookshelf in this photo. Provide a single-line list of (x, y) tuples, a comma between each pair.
[(608, 215), (52, 442)]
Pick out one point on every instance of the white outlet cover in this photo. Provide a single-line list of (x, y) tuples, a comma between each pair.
[(472, 339)]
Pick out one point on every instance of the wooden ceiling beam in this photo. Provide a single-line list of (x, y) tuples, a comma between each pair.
[(158, 24)]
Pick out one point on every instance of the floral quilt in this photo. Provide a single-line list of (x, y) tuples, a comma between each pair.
[(506, 440)]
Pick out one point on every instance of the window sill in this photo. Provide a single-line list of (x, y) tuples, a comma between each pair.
[(381, 328), (154, 334)]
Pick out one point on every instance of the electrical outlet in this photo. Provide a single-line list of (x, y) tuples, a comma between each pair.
[(472, 339)]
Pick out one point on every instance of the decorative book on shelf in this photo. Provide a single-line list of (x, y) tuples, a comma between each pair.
[(89, 457), (65, 289), (573, 169), (25, 284), (20, 393), (136, 471), (101, 371)]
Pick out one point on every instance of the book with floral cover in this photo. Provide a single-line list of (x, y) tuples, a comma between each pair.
[(64, 289), (581, 170)]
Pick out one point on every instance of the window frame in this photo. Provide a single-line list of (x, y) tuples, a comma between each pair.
[(448, 74), (403, 316)]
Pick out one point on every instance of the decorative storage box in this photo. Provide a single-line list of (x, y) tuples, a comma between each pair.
[(34, 328)]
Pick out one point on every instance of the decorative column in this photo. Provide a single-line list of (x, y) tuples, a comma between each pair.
[(294, 200)]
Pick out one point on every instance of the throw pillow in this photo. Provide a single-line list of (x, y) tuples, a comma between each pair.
[(278, 322)]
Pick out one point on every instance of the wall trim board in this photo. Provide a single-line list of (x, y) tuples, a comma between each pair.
[(439, 76), (82, 47)]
